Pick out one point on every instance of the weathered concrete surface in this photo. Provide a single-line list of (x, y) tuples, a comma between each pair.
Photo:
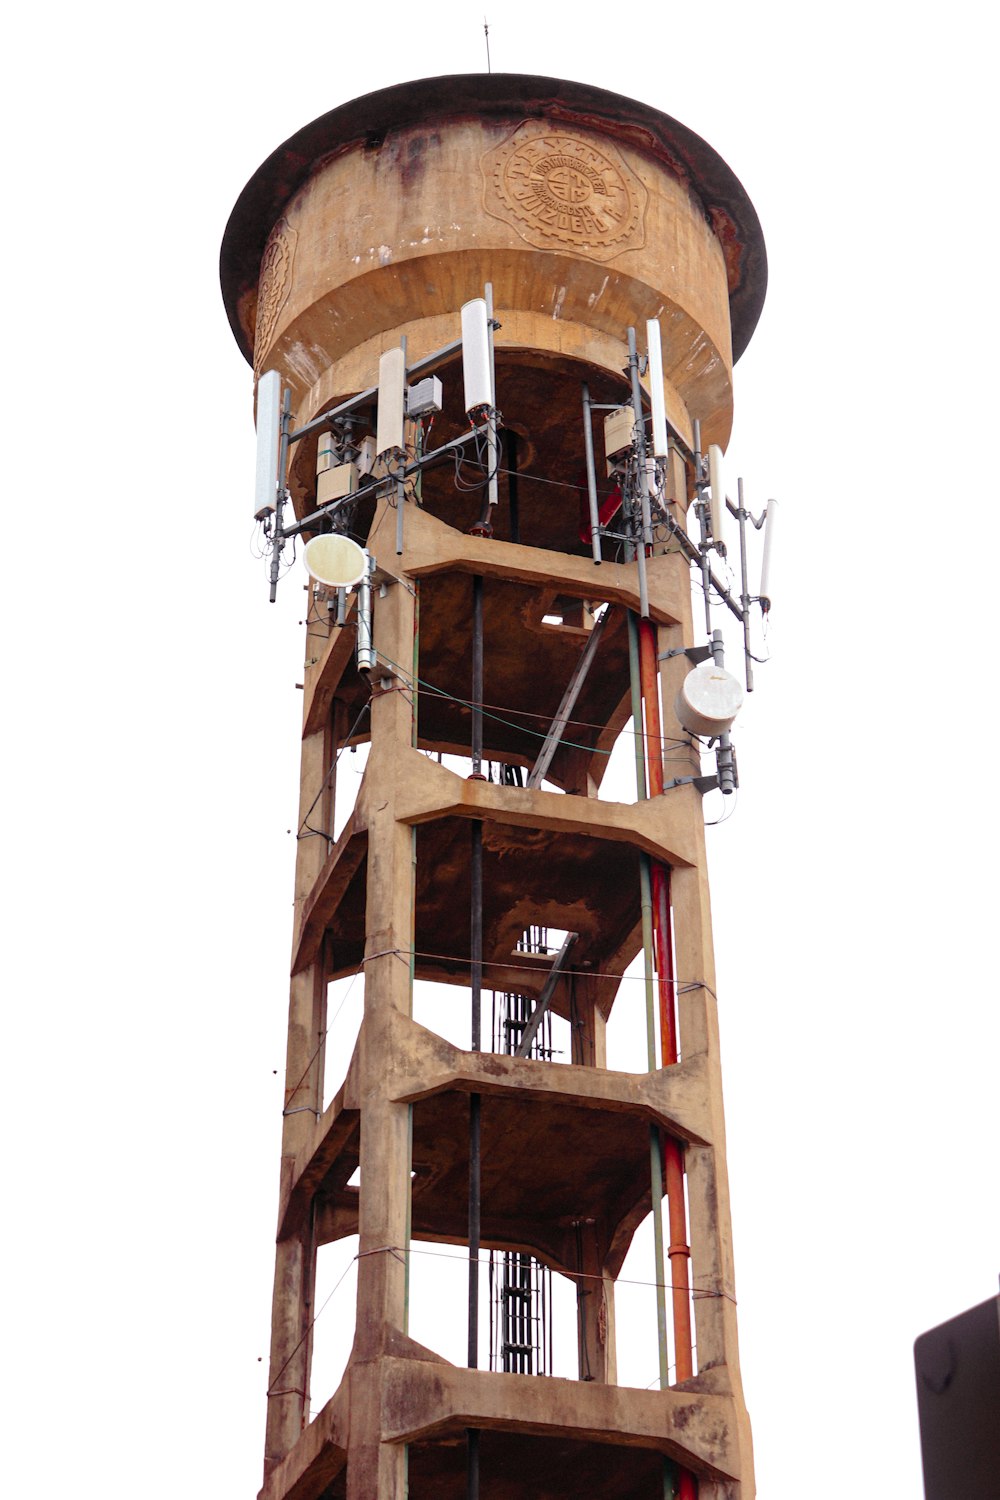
[(389, 212), (428, 1405)]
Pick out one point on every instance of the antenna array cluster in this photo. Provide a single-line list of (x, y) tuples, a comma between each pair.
[(640, 517)]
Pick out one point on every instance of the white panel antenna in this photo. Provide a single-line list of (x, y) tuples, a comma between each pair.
[(770, 517), (718, 485), (391, 383), (476, 366), (268, 444), (656, 396)]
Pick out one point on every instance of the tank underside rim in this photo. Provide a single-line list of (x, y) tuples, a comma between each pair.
[(458, 96)]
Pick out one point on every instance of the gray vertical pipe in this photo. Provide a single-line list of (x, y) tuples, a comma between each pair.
[(745, 595), (492, 445), (706, 569), (588, 445), (401, 469), (279, 499), (724, 754), (640, 455)]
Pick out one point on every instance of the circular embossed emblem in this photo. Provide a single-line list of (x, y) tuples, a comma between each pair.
[(272, 288), (563, 189)]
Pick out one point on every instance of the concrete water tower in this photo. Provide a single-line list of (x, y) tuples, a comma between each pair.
[(525, 596)]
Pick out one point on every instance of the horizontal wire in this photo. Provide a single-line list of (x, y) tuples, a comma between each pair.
[(318, 832), (522, 728), (309, 1328), (319, 1045), (682, 986), (570, 1275), (397, 1251)]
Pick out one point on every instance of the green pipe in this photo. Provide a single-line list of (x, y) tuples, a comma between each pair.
[(409, 1220), (656, 1180), (416, 658), (413, 974)]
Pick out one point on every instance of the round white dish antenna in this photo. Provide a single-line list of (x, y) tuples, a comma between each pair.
[(709, 700), (335, 560)]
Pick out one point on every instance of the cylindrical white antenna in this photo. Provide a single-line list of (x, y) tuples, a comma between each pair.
[(656, 398), (391, 380), (765, 568), (476, 357), (718, 484), (709, 700), (268, 443)]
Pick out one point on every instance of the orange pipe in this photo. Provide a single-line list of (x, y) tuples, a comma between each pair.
[(651, 702), (678, 1254)]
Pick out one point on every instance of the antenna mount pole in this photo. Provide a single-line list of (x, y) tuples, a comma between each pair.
[(702, 510), (741, 516), (279, 499), (401, 466), (646, 537), (724, 758), (588, 447), (492, 449)]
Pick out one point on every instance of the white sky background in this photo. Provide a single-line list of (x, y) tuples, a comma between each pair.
[(151, 744)]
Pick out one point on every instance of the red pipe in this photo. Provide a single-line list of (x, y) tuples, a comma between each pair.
[(663, 947), (678, 1251), (686, 1487)]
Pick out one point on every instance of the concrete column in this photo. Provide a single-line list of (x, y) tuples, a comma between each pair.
[(295, 1257), (377, 1471)]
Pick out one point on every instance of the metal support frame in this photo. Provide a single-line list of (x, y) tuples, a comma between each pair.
[(699, 483), (366, 397), (545, 998), (416, 466), (403, 471), (646, 534), (553, 737), (492, 446)]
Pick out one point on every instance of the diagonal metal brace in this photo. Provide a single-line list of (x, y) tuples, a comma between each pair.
[(545, 998), (552, 740)]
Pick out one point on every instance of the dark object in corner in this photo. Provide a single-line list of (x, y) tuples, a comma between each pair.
[(958, 1399)]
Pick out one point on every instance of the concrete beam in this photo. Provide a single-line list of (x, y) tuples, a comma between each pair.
[(421, 1400)]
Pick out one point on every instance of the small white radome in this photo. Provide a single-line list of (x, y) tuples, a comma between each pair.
[(709, 699)]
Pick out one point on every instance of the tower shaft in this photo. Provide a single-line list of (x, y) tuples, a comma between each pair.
[(501, 645)]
